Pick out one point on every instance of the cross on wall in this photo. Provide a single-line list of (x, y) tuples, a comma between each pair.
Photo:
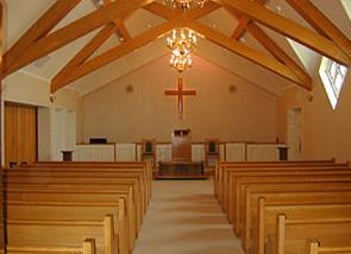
[(180, 92)]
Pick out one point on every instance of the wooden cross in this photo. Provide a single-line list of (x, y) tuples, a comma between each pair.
[(180, 92)]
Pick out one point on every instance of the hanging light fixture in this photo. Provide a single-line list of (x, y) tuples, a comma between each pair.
[(184, 5), (181, 42)]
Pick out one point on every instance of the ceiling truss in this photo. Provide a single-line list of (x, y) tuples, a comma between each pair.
[(37, 41)]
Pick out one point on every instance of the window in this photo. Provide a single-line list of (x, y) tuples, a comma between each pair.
[(333, 76)]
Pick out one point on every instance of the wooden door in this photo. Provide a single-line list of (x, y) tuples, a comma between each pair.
[(20, 133)]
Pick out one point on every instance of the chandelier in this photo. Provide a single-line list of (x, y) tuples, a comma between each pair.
[(184, 5), (181, 42)]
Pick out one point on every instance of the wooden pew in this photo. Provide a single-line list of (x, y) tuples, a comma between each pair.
[(291, 235), (221, 169), (138, 166), (97, 175), (88, 247), (313, 247), (284, 193), (243, 179), (74, 211), (79, 195), (40, 233), (315, 205), (66, 181), (256, 171)]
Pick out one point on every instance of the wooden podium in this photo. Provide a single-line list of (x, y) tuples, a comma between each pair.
[(181, 166), (181, 145)]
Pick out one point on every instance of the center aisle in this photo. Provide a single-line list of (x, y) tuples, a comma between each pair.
[(185, 218)]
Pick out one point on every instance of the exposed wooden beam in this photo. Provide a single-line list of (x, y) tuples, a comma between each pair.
[(290, 29), (82, 56), (243, 21), (280, 54), (248, 53), (176, 19), (321, 23), (106, 14), (241, 28), (160, 10), (122, 29), (167, 13), (119, 51), (39, 29)]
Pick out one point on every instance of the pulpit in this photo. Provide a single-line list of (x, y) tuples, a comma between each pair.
[(181, 166), (181, 145)]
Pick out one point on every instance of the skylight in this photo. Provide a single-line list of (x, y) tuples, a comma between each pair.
[(333, 76)]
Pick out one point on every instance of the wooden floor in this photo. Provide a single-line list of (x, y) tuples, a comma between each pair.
[(185, 218)]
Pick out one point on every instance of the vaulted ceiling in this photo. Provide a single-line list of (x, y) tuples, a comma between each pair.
[(84, 44)]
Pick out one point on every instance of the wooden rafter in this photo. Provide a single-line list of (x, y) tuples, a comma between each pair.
[(119, 51), (279, 54), (176, 19), (39, 29), (246, 52), (321, 23), (119, 9), (274, 49), (82, 56), (243, 22), (241, 28), (290, 29)]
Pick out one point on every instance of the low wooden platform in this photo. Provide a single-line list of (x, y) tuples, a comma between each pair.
[(181, 170), (179, 177)]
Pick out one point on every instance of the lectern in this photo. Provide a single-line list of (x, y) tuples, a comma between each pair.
[(181, 145)]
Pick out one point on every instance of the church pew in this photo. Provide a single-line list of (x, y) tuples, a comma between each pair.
[(74, 211), (221, 168), (285, 192), (313, 247), (329, 205), (42, 193), (232, 172), (60, 233), (250, 191), (136, 166), (88, 247), (82, 179), (238, 183), (92, 173), (292, 235), (244, 185), (233, 192)]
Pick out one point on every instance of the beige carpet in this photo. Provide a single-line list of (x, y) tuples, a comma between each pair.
[(185, 218)]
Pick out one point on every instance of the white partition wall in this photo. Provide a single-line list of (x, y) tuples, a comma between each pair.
[(198, 152), (90, 152), (235, 151), (163, 152), (263, 152), (126, 152)]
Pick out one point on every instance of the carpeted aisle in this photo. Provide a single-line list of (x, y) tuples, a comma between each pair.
[(185, 218)]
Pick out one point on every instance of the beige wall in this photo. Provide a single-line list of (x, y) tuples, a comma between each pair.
[(326, 132), (248, 114), (26, 89)]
